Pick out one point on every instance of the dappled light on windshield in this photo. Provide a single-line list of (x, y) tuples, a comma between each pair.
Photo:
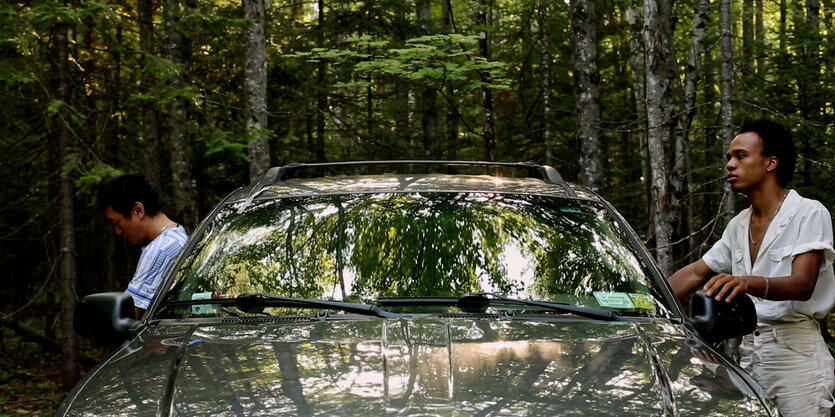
[(364, 246)]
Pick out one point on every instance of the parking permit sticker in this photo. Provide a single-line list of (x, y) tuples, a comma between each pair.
[(203, 308), (613, 299), (642, 301)]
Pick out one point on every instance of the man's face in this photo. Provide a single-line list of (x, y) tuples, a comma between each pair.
[(129, 228), (747, 166)]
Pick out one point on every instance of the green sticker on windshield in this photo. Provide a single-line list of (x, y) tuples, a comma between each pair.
[(642, 301), (613, 299)]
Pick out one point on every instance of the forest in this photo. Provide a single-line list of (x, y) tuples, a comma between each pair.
[(636, 100)]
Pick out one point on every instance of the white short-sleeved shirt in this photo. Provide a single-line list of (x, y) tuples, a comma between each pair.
[(156, 259), (800, 226)]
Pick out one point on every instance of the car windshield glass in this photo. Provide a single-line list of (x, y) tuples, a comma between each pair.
[(361, 247)]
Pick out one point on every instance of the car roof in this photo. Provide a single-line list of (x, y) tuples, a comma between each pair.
[(407, 183), (282, 182)]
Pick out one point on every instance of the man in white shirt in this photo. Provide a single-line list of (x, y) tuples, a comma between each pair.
[(133, 207), (780, 252)]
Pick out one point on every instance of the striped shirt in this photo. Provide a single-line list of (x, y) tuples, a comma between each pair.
[(155, 261)]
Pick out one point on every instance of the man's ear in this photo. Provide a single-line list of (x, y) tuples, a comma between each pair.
[(138, 210), (772, 163)]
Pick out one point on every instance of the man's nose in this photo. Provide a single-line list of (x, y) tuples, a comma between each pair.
[(118, 231)]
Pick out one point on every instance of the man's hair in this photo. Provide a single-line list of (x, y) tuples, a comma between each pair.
[(777, 142), (123, 191)]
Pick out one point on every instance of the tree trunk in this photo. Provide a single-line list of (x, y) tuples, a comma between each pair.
[(489, 132), (747, 36), (321, 96), (451, 116), (545, 71), (637, 69), (727, 104), (181, 182), (809, 83), (428, 98), (255, 88), (658, 43), (681, 180), (759, 36), (69, 340), (150, 128), (586, 92)]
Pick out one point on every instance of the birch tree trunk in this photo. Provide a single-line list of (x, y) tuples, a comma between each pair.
[(682, 176), (150, 126), (587, 92), (728, 210), (658, 44), (255, 88), (487, 104), (66, 226), (545, 44)]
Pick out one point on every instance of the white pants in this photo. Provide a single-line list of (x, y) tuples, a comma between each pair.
[(791, 361)]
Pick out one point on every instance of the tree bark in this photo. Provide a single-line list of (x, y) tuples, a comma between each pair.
[(321, 96), (759, 36), (682, 176), (69, 340), (637, 69), (747, 36), (181, 181), (658, 43), (587, 92), (429, 97), (150, 127), (451, 115), (545, 71), (728, 210), (489, 132), (255, 88), (809, 84)]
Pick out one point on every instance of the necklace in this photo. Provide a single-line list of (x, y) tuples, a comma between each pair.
[(167, 226), (751, 236)]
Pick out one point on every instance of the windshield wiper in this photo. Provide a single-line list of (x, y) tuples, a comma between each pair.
[(476, 302), (487, 298), (250, 300)]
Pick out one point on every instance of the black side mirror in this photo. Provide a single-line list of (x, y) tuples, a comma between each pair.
[(106, 317), (720, 320)]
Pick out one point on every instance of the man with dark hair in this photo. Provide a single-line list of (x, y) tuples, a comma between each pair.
[(133, 207), (779, 252)]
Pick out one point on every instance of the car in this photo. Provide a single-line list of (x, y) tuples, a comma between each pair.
[(415, 288)]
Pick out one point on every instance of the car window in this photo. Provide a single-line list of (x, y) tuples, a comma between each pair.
[(360, 247)]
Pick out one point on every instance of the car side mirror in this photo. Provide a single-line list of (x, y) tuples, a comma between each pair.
[(720, 320), (106, 317)]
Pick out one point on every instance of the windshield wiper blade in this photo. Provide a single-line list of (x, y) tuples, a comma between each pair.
[(486, 298), (249, 300)]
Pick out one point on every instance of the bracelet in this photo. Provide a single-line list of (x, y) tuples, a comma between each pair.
[(765, 293)]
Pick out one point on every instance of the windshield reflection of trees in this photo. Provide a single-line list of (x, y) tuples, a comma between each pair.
[(360, 247)]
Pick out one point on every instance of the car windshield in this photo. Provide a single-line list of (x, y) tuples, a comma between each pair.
[(359, 248)]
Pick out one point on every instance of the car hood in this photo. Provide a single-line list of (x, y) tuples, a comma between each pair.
[(447, 366)]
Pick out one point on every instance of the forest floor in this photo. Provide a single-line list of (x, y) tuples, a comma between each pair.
[(30, 378)]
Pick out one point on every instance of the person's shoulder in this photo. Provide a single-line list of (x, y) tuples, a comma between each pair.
[(741, 218), (810, 203)]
